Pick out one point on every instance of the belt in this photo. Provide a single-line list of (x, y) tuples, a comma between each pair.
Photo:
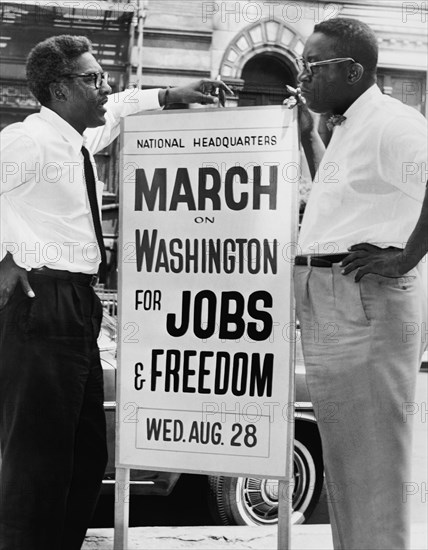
[(320, 261), (83, 279)]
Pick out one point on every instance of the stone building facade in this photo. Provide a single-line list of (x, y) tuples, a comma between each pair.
[(253, 44)]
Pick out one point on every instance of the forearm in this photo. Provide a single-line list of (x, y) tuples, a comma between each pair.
[(314, 149), (417, 245)]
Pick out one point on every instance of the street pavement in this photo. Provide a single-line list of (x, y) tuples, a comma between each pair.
[(303, 537)]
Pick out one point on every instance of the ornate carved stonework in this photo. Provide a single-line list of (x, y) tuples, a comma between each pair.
[(263, 36)]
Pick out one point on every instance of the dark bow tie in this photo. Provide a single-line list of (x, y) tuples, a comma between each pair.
[(335, 120)]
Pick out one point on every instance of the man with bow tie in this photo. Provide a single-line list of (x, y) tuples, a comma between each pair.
[(364, 204), (52, 423)]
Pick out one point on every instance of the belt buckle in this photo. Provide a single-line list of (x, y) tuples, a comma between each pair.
[(94, 281)]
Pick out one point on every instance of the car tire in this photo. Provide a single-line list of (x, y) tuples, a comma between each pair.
[(254, 501)]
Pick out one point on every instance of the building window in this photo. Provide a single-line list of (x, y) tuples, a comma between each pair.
[(407, 86)]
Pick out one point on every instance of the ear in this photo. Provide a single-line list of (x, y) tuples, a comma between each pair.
[(355, 73), (59, 92)]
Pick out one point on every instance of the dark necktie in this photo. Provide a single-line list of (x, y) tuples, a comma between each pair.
[(93, 202), (335, 120)]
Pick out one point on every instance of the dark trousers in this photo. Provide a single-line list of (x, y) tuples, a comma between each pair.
[(52, 422)]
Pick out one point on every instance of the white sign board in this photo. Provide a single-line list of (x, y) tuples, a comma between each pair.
[(208, 218)]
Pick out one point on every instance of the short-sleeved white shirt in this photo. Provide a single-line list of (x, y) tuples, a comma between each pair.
[(371, 181)]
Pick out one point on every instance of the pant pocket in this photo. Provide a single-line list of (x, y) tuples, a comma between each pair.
[(348, 299), (56, 312)]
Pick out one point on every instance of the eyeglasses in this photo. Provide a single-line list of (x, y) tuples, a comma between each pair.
[(306, 66), (98, 78)]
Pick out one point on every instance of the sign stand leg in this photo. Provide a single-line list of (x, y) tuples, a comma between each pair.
[(285, 490), (286, 486), (121, 509)]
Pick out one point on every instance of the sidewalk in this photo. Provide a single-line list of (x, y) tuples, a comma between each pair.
[(303, 537)]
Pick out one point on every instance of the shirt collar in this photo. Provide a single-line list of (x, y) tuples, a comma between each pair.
[(63, 127), (370, 95)]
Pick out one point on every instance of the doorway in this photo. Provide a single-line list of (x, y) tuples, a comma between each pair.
[(265, 76)]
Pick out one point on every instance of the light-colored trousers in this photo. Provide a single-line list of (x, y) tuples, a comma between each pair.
[(362, 345)]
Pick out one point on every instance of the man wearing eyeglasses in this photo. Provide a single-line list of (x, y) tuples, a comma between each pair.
[(52, 424), (361, 338)]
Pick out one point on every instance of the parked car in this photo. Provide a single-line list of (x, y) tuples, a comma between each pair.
[(231, 500)]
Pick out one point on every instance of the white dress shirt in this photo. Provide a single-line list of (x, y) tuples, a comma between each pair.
[(45, 216), (371, 181)]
